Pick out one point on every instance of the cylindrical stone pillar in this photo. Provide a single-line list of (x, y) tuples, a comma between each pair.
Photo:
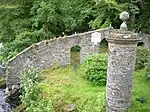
[(121, 63)]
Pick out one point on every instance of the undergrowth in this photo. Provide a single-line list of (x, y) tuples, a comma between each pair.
[(35, 93)]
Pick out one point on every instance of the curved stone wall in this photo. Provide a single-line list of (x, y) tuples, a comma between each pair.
[(48, 52)]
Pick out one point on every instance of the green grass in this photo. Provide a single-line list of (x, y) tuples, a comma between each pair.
[(141, 88), (103, 47), (67, 87), (75, 58)]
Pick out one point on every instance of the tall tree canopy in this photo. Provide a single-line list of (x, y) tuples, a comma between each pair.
[(24, 22)]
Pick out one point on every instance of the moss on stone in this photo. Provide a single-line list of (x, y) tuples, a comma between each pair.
[(2, 82), (19, 108)]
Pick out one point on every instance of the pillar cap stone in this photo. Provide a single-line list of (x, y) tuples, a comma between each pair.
[(123, 40), (123, 37), (124, 16)]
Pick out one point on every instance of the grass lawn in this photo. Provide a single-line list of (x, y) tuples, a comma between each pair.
[(68, 89), (141, 89)]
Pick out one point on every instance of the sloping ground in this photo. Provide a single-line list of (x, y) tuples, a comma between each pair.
[(69, 91)]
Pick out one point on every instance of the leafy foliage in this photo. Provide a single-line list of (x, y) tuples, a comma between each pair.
[(24, 22), (94, 69), (106, 12), (147, 68), (35, 94), (76, 49), (139, 13), (14, 30), (141, 57)]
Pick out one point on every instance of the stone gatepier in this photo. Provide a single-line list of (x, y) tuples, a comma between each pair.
[(121, 63)]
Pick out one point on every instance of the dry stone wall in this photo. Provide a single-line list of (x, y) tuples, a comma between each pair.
[(55, 51), (49, 52)]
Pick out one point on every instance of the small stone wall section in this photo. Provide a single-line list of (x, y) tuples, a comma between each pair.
[(146, 40)]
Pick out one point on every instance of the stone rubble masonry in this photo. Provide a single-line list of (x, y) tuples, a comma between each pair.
[(49, 52), (55, 51), (121, 63), (145, 40)]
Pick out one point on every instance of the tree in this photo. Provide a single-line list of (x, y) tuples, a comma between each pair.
[(24, 22)]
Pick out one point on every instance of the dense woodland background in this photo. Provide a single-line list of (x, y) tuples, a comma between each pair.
[(24, 22)]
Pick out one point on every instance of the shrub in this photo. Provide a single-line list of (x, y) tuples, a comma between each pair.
[(141, 57), (147, 68), (76, 49), (35, 94), (94, 69)]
